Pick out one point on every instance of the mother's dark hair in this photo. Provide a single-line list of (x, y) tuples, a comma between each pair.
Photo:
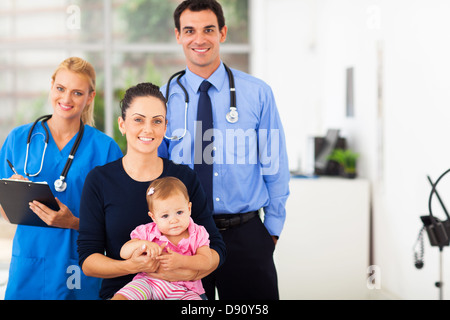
[(199, 5), (145, 89)]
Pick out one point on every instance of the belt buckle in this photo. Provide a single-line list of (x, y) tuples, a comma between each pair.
[(236, 220), (222, 224)]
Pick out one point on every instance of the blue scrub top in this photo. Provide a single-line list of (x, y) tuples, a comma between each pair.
[(44, 263)]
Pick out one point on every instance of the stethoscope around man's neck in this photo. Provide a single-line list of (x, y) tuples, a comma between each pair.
[(60, 184), (232, 116)]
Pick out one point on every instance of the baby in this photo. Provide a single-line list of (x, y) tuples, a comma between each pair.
[(174, 239)]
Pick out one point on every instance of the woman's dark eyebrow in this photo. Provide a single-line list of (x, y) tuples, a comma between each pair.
[(159, 115)]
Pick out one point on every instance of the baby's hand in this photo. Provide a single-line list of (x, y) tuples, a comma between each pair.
[(152, 249), (170, 260)]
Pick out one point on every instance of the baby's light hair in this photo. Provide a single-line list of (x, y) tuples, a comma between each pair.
[(163, 188)]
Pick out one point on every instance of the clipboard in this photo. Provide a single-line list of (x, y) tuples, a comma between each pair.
[(15, 196)]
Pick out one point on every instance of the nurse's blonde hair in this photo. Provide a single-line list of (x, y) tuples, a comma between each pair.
[(84, 68)]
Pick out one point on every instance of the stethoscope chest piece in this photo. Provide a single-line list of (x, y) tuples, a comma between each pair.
[(60, 185), (233, 115)]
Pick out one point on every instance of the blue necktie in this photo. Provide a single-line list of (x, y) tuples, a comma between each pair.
[(204, 122)]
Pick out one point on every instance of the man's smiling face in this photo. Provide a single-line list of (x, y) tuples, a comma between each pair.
[(200, 37)]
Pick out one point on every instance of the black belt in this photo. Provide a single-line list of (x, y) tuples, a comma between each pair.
[(227, 221)]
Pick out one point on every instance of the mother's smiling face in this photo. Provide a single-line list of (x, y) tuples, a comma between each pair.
[(144, 124)]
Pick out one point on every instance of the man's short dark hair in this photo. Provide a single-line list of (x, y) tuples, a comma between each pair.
[(199, 5)]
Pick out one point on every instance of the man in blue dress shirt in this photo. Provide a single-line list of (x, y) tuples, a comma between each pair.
[(249, 160)]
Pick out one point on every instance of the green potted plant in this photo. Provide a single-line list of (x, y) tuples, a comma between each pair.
[(347, 160)]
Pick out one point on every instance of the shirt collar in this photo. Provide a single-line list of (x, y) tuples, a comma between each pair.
[(217, 79)]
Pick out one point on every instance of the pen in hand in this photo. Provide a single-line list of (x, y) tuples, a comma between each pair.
[(12, 167)]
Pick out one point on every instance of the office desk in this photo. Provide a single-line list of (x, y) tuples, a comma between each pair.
[(323, 251)]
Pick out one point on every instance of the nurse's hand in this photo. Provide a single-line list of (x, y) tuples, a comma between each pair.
[(60, 219), (19, 177)]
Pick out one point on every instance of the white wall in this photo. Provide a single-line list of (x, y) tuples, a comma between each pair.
[(417, 100), (283, 55), (302, 49)]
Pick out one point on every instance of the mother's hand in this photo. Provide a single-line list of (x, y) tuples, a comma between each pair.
[(174, 275), (186, 274), (142, 262)]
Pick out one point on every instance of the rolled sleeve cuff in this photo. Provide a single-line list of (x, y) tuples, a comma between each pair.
[(274, 224)]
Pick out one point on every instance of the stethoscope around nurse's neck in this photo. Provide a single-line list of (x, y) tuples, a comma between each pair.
[(232, 116), (60, 184)]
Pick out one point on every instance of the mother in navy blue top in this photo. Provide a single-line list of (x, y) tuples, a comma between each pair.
[(113, 199)]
